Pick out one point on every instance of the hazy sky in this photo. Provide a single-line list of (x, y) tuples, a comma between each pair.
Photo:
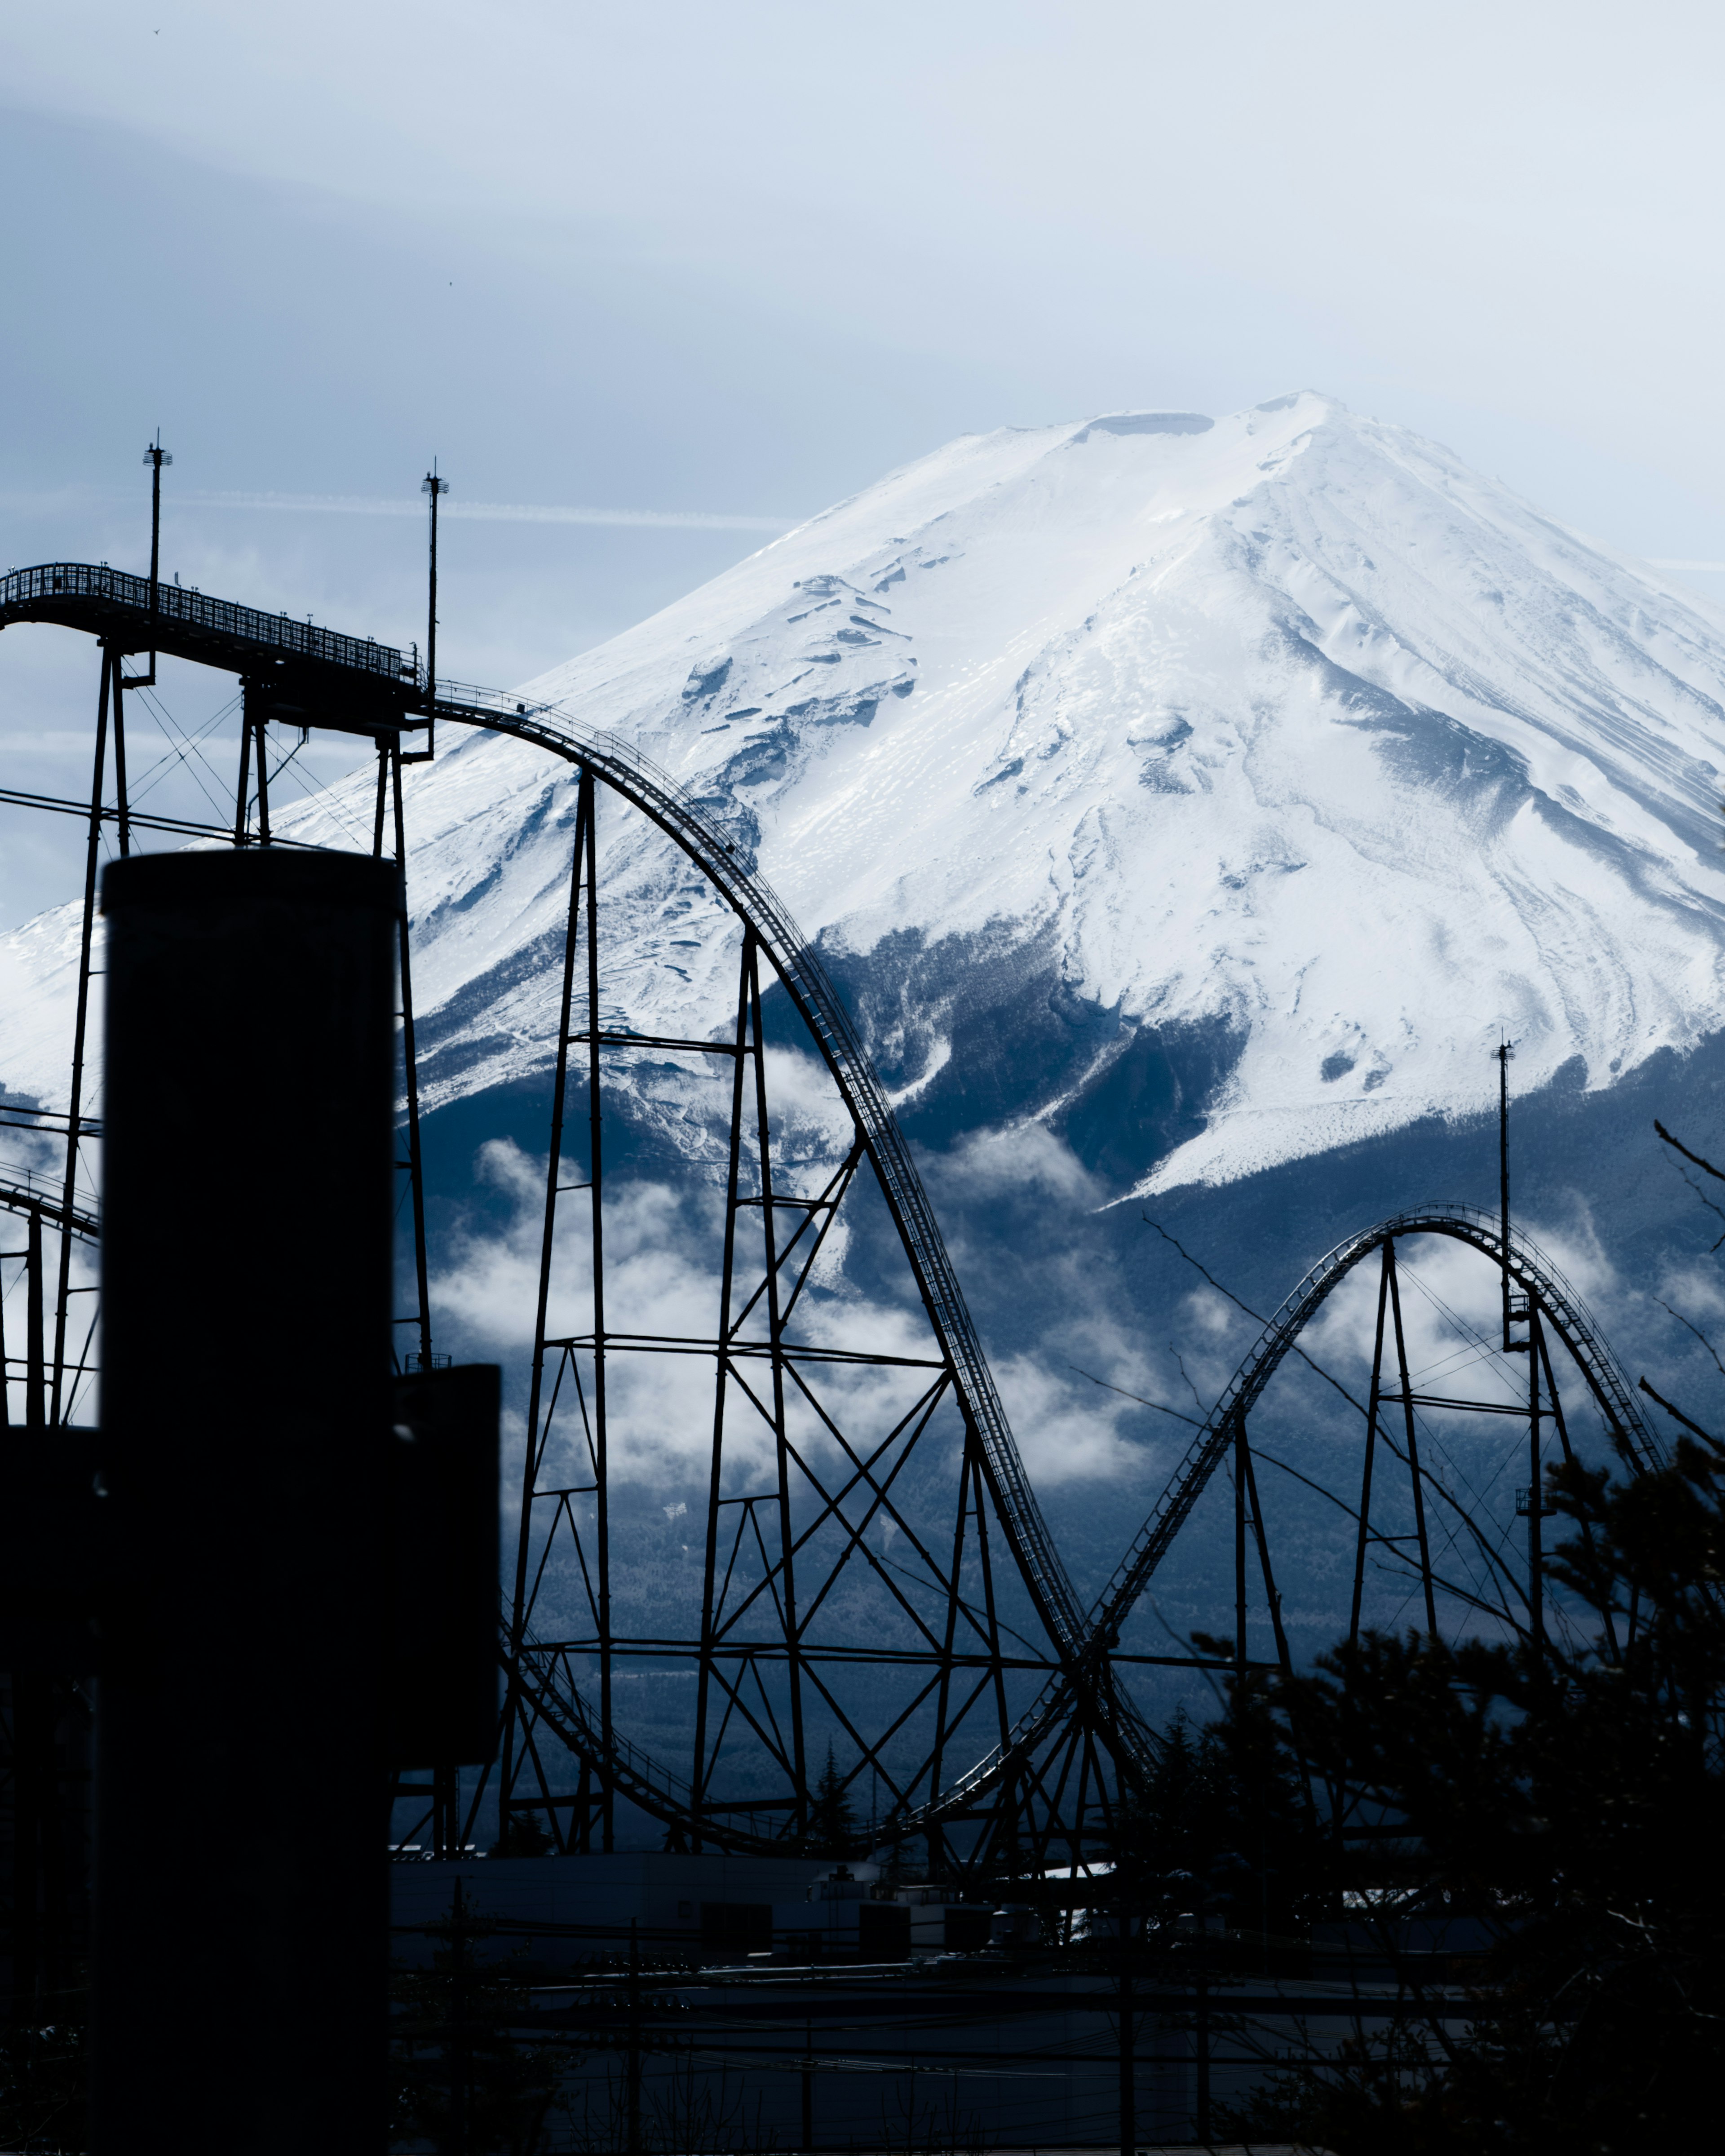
[(739, 260)]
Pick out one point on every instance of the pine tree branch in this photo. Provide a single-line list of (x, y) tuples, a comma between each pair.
[(1677, 1146)]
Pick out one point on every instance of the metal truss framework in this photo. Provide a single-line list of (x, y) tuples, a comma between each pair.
[(767, 1586), (1541, 1300), (782, 1537), (1540, 1308), (840, 1478)]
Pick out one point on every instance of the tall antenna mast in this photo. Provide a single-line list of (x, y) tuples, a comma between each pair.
[(434, 486), (1502, 1054), (156, 457)]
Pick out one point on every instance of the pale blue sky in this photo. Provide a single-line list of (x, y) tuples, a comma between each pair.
[(741, 260)]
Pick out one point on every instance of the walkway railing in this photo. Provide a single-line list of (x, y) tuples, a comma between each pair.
[(44, 592)]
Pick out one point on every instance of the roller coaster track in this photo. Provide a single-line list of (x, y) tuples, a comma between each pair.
[(330, 680), (1529, 1269), (344, 676), (1532, 1272), (299, 671), (729, 866), (371, 682), (24, 1198)]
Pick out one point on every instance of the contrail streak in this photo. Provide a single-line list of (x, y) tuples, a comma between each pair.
[(491, 512)]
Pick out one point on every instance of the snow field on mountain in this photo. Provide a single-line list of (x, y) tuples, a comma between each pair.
[(1286, 723), (1289, 722)]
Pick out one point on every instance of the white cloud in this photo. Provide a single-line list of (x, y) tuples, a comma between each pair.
[(1069, 1431), (1021, 1158), (662, 1286)]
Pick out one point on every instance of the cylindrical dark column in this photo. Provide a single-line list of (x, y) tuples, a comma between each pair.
[(241, 1951)]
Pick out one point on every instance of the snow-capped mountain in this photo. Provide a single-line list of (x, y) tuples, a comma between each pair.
[(1229, 782), (1282, 745)]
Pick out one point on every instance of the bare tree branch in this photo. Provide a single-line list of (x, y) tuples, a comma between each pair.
[(1180, 1364), (1696, 1330), (1706, 1436), (1677, 1146)]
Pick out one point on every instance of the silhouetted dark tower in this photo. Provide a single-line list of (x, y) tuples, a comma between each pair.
[(241, 1932)]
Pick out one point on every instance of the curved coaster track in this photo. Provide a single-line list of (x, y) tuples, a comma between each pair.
[(869, 1602)]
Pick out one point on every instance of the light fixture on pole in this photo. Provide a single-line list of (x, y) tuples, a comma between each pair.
[(434, 486), (156, 457)]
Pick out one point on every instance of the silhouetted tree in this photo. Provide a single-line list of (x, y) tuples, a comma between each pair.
[(1566, 1796), (832, 1820), (44, 2076), (523, 1835), (1223, 1827), (467, 2076)]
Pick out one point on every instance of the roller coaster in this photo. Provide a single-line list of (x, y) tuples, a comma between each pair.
[(868, 1579)]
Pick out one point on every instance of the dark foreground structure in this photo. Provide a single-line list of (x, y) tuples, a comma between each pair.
[(242, 1601), (715, 2003), (976, 1705), (874, 1580)]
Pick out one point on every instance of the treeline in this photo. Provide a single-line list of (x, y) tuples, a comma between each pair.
[(1520, 1847)]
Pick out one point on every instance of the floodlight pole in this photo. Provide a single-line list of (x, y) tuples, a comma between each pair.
[(434, 486), (156, 457), (1502, 1054)]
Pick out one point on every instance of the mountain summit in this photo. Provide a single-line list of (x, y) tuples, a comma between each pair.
[(1212, 790), (1216, 789)]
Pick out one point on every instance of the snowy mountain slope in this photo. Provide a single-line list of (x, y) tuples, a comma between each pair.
[(1288, 722), (1282, 749)]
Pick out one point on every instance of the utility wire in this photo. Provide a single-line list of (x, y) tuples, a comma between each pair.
[(1257, 1320), (154, 773), (187, 747), (1493, 1562), (1191, 1421)]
